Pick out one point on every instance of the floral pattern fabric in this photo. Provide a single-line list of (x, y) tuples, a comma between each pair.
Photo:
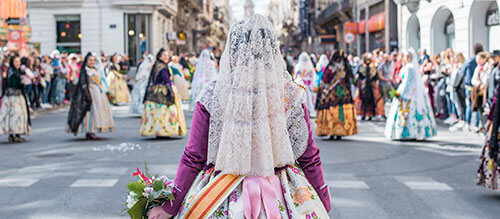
[(14, 115), (488, 173), (118, 90), (301, 200)]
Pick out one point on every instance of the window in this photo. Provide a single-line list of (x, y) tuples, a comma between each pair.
[(68, 33)]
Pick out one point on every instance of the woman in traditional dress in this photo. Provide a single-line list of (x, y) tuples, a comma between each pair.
[(204, 73), (322, 63), (163, 115), (368, 99), (488, 173), (411, 116), (137, 98), (118, 89), (14, 113), (305, 75), (336, 111), (251, 151), (180, 82), (90, 111)]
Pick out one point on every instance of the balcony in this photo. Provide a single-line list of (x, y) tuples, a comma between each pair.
[(337, 11)]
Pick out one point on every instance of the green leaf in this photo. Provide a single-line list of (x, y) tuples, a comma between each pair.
[(158, 185), (146, 167), (136, 211), (136, 187)]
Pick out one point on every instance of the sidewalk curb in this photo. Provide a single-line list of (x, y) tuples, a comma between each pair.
[(55, 108)]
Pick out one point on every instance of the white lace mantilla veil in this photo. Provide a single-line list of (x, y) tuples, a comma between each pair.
[(418, 92), (323, 61), (256, 117), (304, 63), (144, 69), (204, 72)]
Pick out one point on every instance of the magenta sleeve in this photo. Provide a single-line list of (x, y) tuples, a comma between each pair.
[(310, 162), (193, 160)]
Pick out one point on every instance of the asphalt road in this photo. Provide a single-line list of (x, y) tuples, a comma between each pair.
[(57, 175)]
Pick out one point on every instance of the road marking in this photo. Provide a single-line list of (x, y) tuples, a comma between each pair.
[(167, 169), (348, 184), (109, 170), (432, 186), (450, 153), (17, 182), (94, 183), (423, 183)]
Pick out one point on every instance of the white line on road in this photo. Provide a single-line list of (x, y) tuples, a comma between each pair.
[(109, 170), (94, 183), (351, 184), (423, 183), (17, 182)]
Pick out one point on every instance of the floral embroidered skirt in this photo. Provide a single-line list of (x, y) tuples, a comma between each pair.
[(163, 120), (411, 124), (488, 173), (14, 115), (118, 90), (182, 86), (100, 117), (337, 121), (297, 199)]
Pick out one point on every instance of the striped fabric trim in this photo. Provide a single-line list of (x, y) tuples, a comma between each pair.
[(212, 195)]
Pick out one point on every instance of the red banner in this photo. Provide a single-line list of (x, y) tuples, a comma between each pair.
[(351, 27), (12, 9), (376, 22), (361, 27)]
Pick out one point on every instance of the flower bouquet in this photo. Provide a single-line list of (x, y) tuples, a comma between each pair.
[(148, 192), (394, 93)]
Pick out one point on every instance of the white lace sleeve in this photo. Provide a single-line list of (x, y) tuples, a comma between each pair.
[(206, 96), (298, 129)]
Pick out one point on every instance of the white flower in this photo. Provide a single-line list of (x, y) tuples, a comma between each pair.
[(163, 178), (131, 199), (148, 190)]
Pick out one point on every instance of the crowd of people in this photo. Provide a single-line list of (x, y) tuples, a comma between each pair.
[(459, 91), (95, 82), (251, 124)]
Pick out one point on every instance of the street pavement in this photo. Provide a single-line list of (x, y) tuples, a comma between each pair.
[(58, 175)]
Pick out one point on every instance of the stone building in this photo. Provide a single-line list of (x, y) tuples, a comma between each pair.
[(457, 24), (112, 26)]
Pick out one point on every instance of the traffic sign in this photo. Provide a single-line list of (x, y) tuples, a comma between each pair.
[(349, 37)]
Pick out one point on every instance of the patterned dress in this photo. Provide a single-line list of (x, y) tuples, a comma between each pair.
[(488, 173), (368, 98), (118, 90), (295, 191), (100, 117), (14, 114), (163, 115), (405, 121), (336, 111)]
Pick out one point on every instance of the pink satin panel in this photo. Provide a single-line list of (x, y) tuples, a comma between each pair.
[(260, 193)]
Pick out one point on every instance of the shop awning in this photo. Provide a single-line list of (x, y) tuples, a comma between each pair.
[(376, 22)]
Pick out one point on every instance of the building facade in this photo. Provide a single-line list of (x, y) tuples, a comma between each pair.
[(111, 26), (457, 24)]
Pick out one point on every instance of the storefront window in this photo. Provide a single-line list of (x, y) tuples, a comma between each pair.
[(68, 33), (137, 35)]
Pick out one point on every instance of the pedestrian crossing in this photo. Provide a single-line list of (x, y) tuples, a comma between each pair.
[(105, 177)]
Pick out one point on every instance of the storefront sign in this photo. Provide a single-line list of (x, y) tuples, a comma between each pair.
[(362, 27), (328, 39), (351, 27), (180, 42), (492, 18), (171, 35), (376, 22), (15, 40)]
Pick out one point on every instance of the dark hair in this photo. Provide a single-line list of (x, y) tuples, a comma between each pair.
[(86, 59), (111, 59), (11, 61), (478, 48), (158, 55)]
